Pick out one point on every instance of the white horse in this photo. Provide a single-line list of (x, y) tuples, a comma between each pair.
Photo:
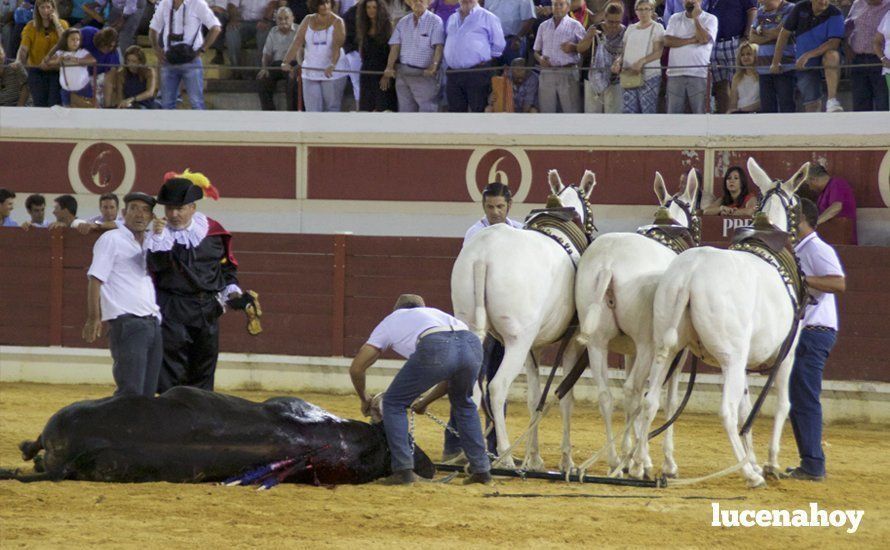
[(734, 311), (614, 290), (519, 285)]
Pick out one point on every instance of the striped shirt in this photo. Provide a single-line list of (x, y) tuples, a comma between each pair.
[(418, 40), (552, 35), (766, 21)]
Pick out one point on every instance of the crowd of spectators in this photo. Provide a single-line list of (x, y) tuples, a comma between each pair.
[(572, 56)]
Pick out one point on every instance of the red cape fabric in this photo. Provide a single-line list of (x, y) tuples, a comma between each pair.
[(214, 228)]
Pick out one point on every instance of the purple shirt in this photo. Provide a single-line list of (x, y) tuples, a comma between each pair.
[(732, 16), (839, 190), (104, 61), (443, 10), (474, 39)]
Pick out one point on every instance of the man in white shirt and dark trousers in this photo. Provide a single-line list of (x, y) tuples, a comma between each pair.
[(441, 352), (690, 35), (825, 278), (121, 292)]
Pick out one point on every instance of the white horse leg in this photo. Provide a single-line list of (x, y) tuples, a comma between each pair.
[(783, 406), (514, 357), (649, 408), (669, 468), (744, 410), (733, 394), (600, 368), (566, 405), (633, 389), (533, 460)]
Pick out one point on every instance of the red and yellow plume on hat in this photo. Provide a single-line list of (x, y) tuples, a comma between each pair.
[(197, 179)]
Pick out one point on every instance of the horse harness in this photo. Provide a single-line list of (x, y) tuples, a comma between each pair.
[(563, 226), (668, 232)]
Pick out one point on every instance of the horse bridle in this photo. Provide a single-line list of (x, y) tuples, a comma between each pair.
[(589, 226), (789, 203), (691, 217)]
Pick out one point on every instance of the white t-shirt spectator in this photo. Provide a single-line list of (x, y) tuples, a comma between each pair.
[(884, 29), (401, 328), (195, 12), (127, 288), (638, 43), (74, 77), (696, 57)]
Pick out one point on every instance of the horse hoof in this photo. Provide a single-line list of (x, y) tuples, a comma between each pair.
[(770, 471), (567, 466), (671, 475), (757, 483), (535, 464)]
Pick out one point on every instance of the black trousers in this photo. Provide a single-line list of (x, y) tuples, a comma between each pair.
[(268, 85), (468, 91), (190, 332), (869, 85)]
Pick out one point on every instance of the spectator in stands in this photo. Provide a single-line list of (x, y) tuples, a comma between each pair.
[(220, 9), (103, 46), (38, 38), (817, 28), (65, 211), (776, 89), (556, 50), (690, 34), (473, 40), (835, 196), (93, 13), (277, 43), (737, 200), (7, 23), (602, 90), (353, 58), (318, 48), (825, 277), (300, 9), (13, 83), (517, 19), (74, 77), (444, 9), (36, 207), (397, 9), (416, 43), (523, 84), (643, 46), (120, 292), (579, 11), (374, 29), (124, 17), (734, 19), (869, 87), (744, 93), (134, 85), (245, 22), (180, 53), (7, 205), (882, 47), (108, 218)]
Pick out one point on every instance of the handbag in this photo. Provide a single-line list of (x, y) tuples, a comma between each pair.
[(630, 80)]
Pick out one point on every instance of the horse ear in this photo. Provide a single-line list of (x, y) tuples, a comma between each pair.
[(691, 186), (760, 178), (798, 179), (660, 189), (588, 182), (555, 182)]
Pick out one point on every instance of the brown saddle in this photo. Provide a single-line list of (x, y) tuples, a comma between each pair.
[(562, 214), (763, 232), (668, 232)]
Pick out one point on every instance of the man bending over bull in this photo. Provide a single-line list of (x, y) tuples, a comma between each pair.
[(194, 270), (120, 292), (441, 352)]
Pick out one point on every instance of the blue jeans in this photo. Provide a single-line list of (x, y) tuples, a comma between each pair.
[(192, 74), (492, 355), (46, 91), (452, 356), (804, 389)]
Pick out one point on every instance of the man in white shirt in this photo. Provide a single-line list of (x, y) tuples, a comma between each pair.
[(440, 352), (65, 211), (246, 20), (517, 20), (825, 278), (496, 203), (175, 34), (121, 293), (559, 88), (690, 35)]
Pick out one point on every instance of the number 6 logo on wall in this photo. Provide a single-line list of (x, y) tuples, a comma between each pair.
[(97, 167), (508, 165)]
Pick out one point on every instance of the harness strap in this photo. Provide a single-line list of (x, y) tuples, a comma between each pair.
[(692, 370)]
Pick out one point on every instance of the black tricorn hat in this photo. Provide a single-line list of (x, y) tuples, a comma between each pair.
[(137, 196), (179, 192)]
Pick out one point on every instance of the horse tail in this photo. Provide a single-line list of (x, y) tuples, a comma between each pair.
[(590, 321), (480, 315), (678, 303)]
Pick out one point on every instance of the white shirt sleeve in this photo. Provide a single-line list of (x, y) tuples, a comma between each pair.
[(206, 15), (159, 19), (103, 258), (826, 263), (710, 25), (380, 337), (527, 10), (672, 26)]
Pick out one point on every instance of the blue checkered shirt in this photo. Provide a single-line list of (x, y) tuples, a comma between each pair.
[(418, 41)]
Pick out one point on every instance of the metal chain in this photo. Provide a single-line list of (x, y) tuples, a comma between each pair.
[(453, 431)]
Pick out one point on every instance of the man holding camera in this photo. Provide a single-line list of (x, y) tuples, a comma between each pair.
[(175, 34)]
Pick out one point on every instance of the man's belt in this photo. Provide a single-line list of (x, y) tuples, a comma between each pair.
[(819, 328), (434, 330)]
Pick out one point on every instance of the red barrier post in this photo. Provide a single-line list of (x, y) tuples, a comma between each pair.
[(338, 313)]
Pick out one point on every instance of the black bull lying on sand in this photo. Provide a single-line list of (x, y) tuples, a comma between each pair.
[(189, 435)]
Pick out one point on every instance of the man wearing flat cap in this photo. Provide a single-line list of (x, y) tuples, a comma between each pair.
[(195, 273), (120, 292), (440, 352)]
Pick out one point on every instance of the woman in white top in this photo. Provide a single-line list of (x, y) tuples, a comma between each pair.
[(317, 48), (882, 46), (74, 76), (643, 44), (744, 93)]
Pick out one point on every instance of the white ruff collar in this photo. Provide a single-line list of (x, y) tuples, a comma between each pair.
[(188, 237)]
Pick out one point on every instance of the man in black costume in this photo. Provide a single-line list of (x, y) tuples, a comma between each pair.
[(195, 273)]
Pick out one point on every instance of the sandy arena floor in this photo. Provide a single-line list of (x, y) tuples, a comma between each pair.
[(437, 515)]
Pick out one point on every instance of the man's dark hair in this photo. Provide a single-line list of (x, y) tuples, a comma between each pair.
[(6, 194), (67, 202), (106, 38), (110, 197), (614, 9), (810, 212), (34, 200), (497, 189), (816, 170)]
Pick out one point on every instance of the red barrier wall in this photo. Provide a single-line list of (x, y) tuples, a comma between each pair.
[(323, 294)]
